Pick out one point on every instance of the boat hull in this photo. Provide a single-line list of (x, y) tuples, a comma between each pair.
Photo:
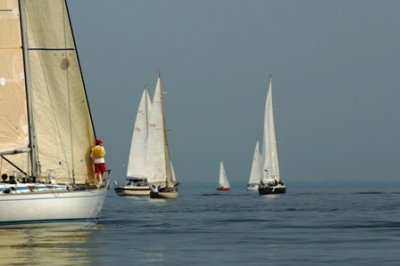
[(223, 188), (132, 191), (266, 190), (252, 187), (51, 206), (164, 194)]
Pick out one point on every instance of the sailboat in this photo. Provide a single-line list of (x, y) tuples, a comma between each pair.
[(255, 172), (158, 164), (270, 182), (223, 184), (46, 131), (136, 178)]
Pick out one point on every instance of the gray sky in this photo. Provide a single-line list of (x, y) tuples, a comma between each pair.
[(335, 68)]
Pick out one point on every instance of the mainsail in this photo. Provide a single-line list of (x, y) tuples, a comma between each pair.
[(223, 178), (255, 172), (270, 151), (51, 107), (137, 154), (157, 156)]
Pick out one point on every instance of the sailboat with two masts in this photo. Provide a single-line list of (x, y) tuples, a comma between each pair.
[(158, 164), (255, 172), (46, 128), (136, 176), (223, 182), (270, 182)]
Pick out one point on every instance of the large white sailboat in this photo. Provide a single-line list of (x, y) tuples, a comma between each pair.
[(255, 172), (223, 181), (46, 128), (136, 177), (270, 182), (158, 164)]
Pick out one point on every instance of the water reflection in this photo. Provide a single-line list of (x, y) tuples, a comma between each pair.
[(47, 244)]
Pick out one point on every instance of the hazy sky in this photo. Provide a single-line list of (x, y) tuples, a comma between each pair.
[(336, 80)]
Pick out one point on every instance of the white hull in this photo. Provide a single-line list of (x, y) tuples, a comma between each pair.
[(168, 195), (132, 191), (51, 206), (252, 187)]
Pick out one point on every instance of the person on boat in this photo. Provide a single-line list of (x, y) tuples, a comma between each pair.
[(154, 188), (12, 180), (4, 178), (98, 153)]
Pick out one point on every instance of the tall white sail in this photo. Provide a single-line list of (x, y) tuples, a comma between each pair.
[(137, 154), (223, 178), (270, 151), (255, 172), (157, 156)]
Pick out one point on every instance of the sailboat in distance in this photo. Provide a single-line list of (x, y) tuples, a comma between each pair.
[(46, 131), (223, 182), (270, 182), (158, 164), (255, 172), (136, 178)]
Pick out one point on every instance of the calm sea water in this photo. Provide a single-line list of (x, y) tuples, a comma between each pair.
[(306, 226)]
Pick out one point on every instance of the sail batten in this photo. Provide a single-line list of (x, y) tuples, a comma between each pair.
[(51, 49)]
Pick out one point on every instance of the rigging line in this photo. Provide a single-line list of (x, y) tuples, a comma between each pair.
[(13, 164), (51, 103)]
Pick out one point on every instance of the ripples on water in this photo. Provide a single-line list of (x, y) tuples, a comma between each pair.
[(302, 227)]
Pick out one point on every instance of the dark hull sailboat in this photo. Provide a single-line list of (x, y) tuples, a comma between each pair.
[(276, 189)]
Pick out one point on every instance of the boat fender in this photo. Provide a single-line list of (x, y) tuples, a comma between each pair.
[(7, 190)]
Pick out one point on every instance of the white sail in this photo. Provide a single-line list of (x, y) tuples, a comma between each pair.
[(255, 172), (157, 156), (137, 154), (223, 178), (173, 173), (270, 151)]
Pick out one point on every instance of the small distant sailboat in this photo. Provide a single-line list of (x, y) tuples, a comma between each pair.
[(223, 184), (46, 127), (255, 172), (158, 164), (270, 182), (136, 177)]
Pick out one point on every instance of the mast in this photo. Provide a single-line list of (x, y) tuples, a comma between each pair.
[(32, 137)]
